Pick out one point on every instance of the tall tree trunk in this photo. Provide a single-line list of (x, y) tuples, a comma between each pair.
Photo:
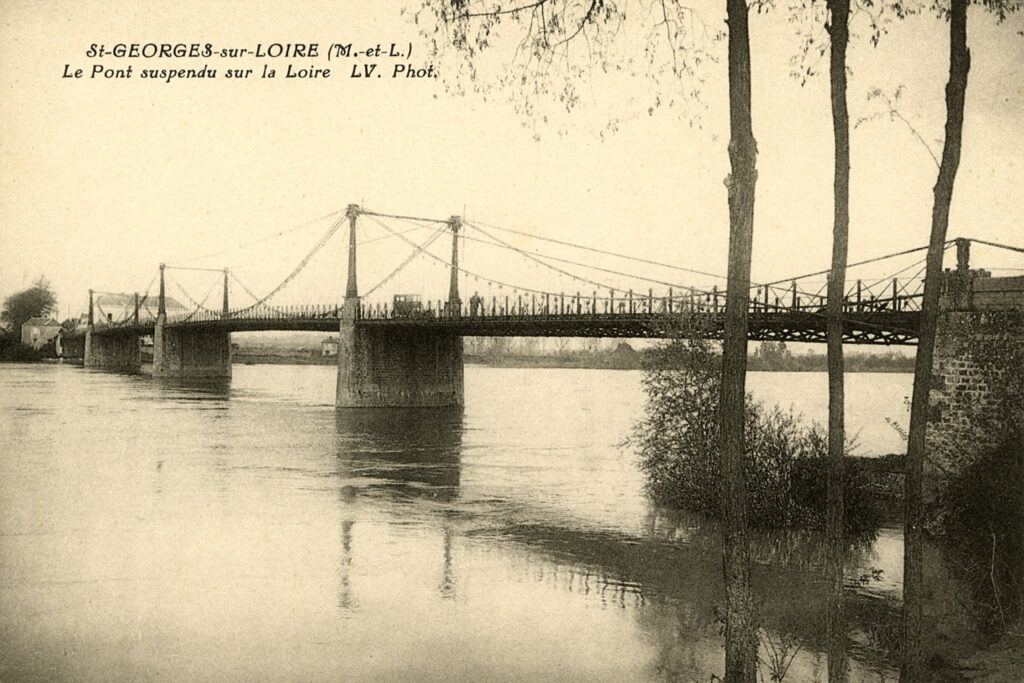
[(839, 13), (740, 620), (913, 569)]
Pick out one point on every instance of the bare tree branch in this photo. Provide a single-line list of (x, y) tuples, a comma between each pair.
[(894, 113), (587, 18), (511, 10)]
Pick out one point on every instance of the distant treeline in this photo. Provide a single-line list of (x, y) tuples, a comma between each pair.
[(770, 357), (596, 354), (622, 357), (775, 357)]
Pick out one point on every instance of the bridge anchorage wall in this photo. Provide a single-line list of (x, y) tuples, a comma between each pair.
[(977, 371), (121, 353), (71, 346), (397, 369), (190, 353)]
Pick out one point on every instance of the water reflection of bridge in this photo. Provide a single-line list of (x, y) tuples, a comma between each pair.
[(401, 455), (671, 571)]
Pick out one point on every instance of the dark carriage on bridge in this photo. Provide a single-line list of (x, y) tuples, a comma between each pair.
[(407, 306)]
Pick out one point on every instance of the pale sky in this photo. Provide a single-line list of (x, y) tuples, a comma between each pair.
[(104, 179)]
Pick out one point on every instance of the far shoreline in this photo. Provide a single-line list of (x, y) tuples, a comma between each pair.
[(524, 362)]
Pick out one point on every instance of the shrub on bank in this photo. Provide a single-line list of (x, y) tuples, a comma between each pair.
[(982, 524), (13, 351), (677, 444)]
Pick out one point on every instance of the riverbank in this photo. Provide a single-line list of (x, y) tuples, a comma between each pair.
[(552, 361), (884, 475), (812, 363), (263, 358), (1003, 660)]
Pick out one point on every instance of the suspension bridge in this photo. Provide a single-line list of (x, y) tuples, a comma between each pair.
[(406, 349)]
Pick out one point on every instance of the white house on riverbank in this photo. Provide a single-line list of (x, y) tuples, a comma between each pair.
[(37, 332)]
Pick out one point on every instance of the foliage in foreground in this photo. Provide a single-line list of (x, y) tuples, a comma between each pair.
[(983, 527), (677, 444)]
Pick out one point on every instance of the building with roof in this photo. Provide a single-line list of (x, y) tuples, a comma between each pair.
[(118, 307), (329, 347), (37, 332)]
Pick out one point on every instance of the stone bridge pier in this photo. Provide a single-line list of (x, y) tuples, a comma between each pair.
[(977, 368), (190, 353), (385, 369), (182, 353), (397, 369), (120, 352)]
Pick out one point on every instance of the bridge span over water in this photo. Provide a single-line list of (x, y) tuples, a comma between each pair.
[(408, 352)]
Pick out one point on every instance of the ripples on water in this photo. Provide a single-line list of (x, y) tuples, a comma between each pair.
[(250, 531)]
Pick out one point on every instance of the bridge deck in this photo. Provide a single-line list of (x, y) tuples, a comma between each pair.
[(874, 327), (859, 328)]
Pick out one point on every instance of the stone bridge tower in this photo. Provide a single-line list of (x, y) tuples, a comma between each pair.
[(978, 369), (385, 368)]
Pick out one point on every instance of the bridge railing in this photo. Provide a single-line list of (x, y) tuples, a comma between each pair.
[(108, 322), (288, 312), (512, 307), (891, 296), (794, 297)]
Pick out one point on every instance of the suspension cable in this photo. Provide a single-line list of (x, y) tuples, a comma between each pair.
[(852, 265), (887, 278), (263, 239), (616, 272), (125, 311), (200, 270), (606, 253), (197, 304), (460, 268), (145, 296), (419, 250), (501, 243), (241, 284), (302, 264), (367, 212), (995, 244), (255, 297)]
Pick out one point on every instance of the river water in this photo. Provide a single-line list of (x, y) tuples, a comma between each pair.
[(251, 531)]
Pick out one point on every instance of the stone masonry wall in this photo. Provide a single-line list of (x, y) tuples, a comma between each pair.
[(976, 383), (387, 368), (122, 353), (183, 353)]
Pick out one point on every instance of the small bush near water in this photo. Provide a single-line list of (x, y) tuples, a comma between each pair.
[(677, 443), (12, 350)]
